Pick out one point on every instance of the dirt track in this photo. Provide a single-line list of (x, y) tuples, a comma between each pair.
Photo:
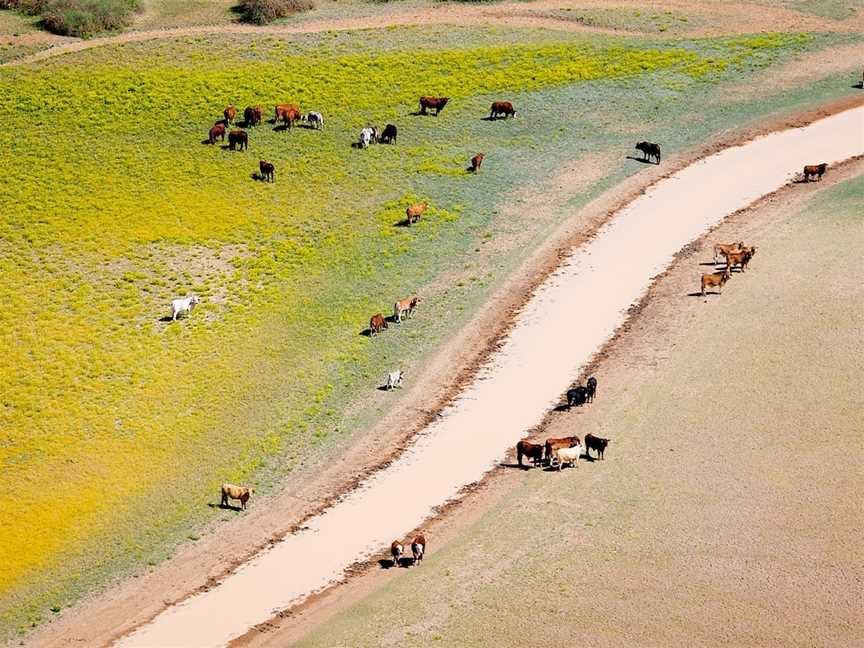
[(552, 340)]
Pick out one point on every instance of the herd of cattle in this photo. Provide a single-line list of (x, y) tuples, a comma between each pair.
[(736, 255), (287, 115)]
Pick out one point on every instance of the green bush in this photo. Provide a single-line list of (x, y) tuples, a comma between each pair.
[(86, 17), (262, 12)]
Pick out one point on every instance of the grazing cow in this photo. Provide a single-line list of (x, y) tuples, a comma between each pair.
[(218, 130), (598, 444), (230, 114), (376, 133), (238, 137), (649, 150), (183, 306), (476, 161), (815, 170), (717, 279), (366, 137), (394, 380), (591, 387), (577, 396), (552, 445), (533, 451), (315, 120), (741, 258), (389, 134), (288, 114), (428, 103), (404, 308), (504, 108), (723, 249), (418, 549), (414, 212), (252, 116), (268, 171), (566, 455), (377, 324), (242, 493), (396, 551)]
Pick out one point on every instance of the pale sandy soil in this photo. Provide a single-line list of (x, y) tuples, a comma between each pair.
[(197, 565), (720, 19), (728, 510)]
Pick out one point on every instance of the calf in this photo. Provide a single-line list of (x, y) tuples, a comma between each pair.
[(476, 161), (437, 103), (377, 324), (717, 279), (552, 445), (591, 387), (533, 451), (183, 306), (567, 455), (396, 552), (389, 134), (414, 212), (394, 380), (238, 138), (649, 150), (598, 444), (218, 130), (577, 396), (404, 308), (500, 108), (268, 171), (816, 170), (418, 549), (230, 491)]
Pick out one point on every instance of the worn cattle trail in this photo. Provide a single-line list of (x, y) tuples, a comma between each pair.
[(566, 321)]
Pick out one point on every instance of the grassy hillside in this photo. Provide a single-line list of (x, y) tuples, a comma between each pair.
[(117, 427), (727, 510)]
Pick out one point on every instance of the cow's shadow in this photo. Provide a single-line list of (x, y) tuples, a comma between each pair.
[(389, 563), (367, 332), (166, 318), (225, 507), (206, 141), (642, 160), (859, 85), (561, 407), (256, 175), (699, 293), (357, 145)]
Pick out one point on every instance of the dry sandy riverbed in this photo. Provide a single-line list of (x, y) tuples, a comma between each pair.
[(568, 319)]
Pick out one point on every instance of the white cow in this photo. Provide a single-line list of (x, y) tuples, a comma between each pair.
[(366, 137), (314, 119), (183, 306), (394, 379), (568, 455)]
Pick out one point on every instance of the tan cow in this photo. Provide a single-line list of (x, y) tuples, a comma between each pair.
[(414, 212), (741, 258), (722, 249), (717, 279), (566, 455), (242, 493), (288, 114), (404, 308), (230, 114)]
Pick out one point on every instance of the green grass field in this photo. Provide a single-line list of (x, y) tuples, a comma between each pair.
[(727, 511), (118, 427)]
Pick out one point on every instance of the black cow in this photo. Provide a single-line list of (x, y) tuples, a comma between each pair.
[(595, 443), (591, 386), (389, 134), (649, 150), (577, 396)]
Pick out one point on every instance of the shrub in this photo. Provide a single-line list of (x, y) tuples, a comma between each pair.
[(86, 17), (262, 12), (30, 7)]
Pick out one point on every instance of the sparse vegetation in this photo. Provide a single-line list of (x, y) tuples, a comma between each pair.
[(261, 12)]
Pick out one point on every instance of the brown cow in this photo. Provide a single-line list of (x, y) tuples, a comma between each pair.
[(437, 103), (288, 114), (252, 116), (741, 258), (377, 324), (230, 114), (242, 493), (268, 171), (533, 451), (236, 137), (715, 279), (218, 130), (553, 444), (476, 161), (723, 249), (816, 170), (504, 108), (414, 212), (396, 551), (418, 549)]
